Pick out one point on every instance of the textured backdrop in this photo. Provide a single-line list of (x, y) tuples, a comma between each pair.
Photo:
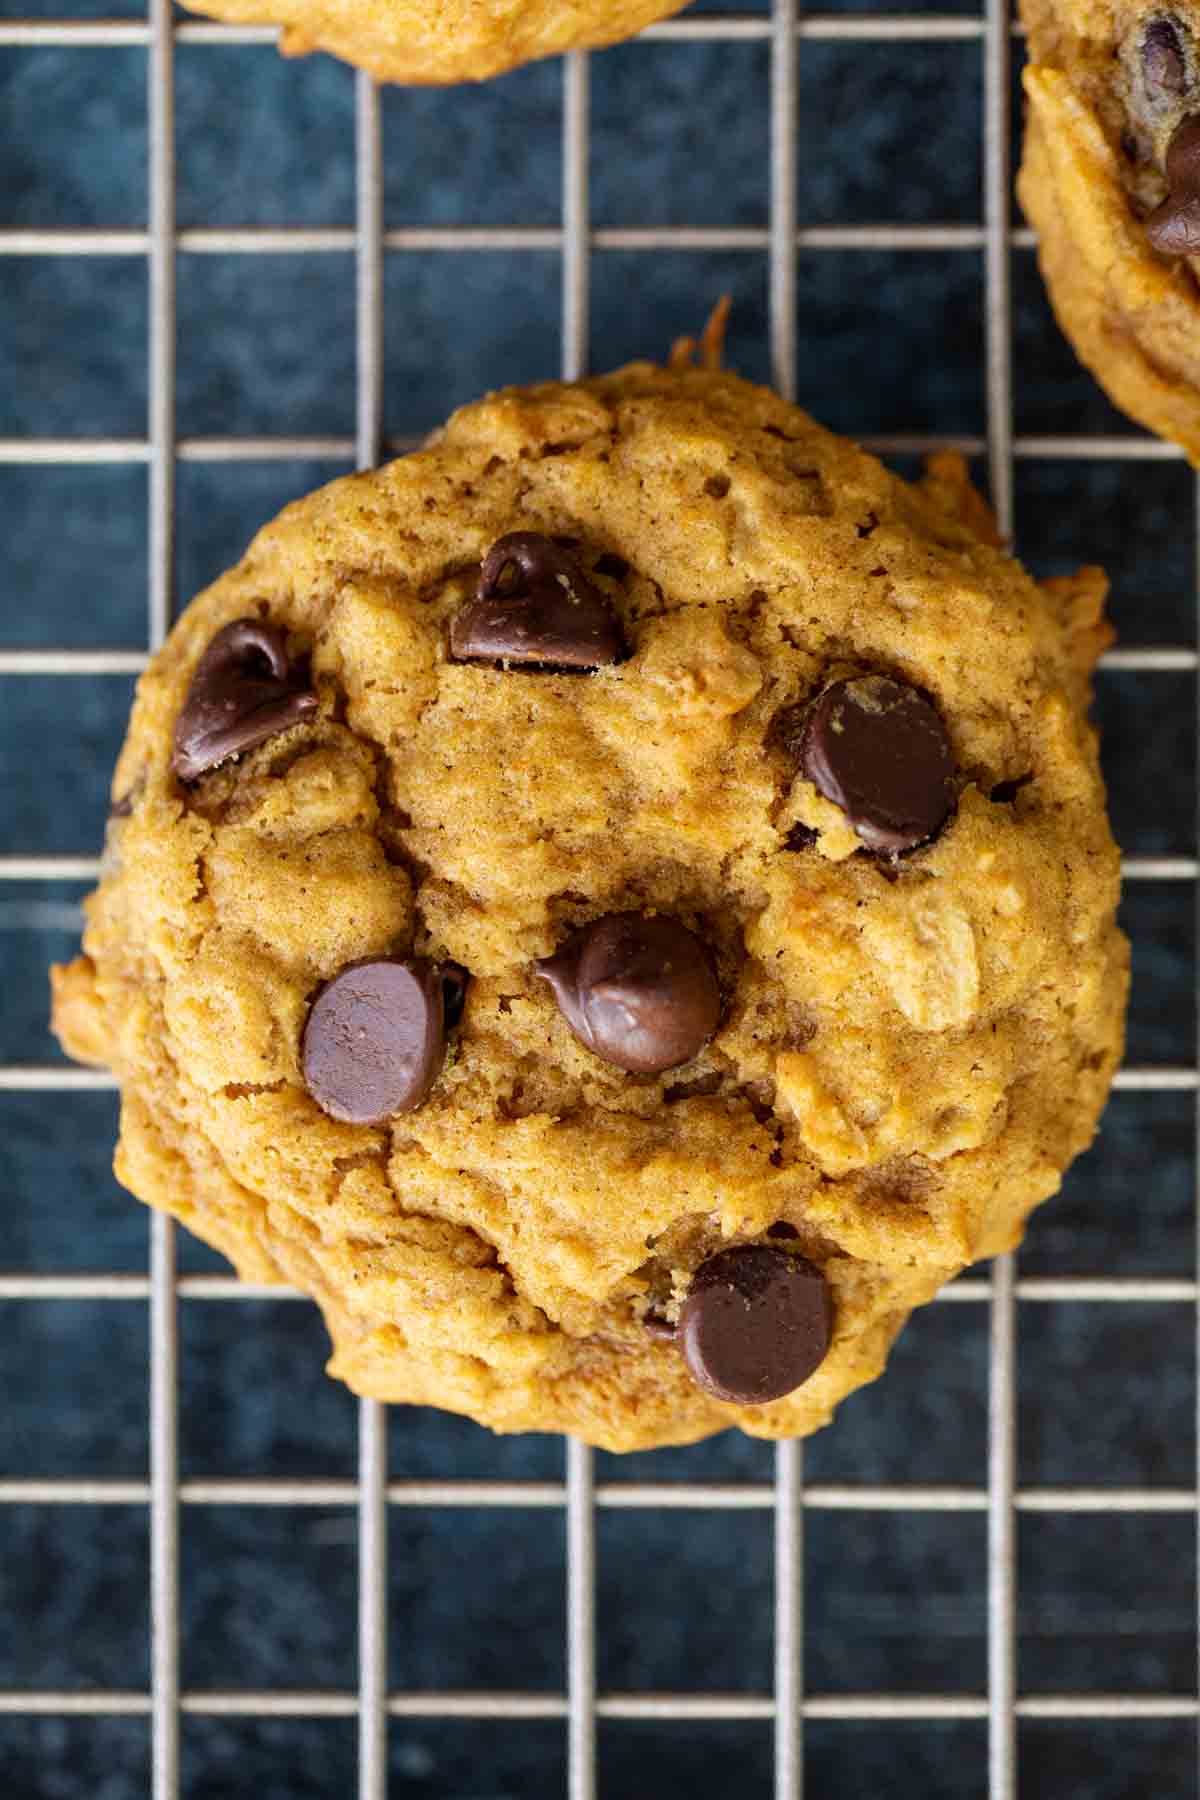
[(888, 343)]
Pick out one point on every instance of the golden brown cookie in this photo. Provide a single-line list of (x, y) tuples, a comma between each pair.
[(1111, 184), (617, 906), (436, 42)]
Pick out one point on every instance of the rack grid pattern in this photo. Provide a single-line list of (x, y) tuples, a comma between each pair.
[(581, 1706)]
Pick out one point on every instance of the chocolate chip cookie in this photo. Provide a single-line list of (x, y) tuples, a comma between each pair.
[(436, 42), (617, 906), (1111, 183)]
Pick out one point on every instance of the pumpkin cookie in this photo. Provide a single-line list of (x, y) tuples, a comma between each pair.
[(1111, 184), (617, 906), (436, 42)]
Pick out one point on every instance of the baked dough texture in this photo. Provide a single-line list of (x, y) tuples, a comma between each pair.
[(911, 1049), (436, 42), (1096, 138)]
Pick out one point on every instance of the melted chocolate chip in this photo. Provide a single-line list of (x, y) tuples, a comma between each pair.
[(375, 1037), (756, 1324), (534, 605), (781, 1229), (1174, 227), (879, 751), (640, 992), (244, 691), (1163, 63)]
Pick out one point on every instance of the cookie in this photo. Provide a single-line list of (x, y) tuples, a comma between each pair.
[(436, 42), (617, 906), (1111, 183)]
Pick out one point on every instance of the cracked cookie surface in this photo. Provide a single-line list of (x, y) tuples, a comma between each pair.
[(905, 1048), (1110, 181)]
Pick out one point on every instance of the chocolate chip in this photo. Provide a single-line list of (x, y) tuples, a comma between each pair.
[(1174, 227), (534, 605), (879, 751), (640, 992), (375, 1037), (800, 837), (244, 691), (658, 1327), (756, 1324), (1163, 63), (781, 1229)]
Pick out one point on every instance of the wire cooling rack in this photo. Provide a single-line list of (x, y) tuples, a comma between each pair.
[(787, 1499)]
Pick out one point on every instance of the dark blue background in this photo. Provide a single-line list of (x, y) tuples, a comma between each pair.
[(888, 343)]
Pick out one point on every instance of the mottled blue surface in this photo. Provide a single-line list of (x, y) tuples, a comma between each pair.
[(888, 343)]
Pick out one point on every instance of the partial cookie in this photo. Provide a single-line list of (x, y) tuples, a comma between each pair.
[(1111, 184), (617, 906), (436, 42)]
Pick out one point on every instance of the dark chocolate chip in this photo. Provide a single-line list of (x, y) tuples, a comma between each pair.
[(800, 837), (781, 1229), (375, 1038), (1163, 63), (879, 751), (756, 1323), (640, 992), (1174, 227), (244, 691), (534, 605), (658, 1327)]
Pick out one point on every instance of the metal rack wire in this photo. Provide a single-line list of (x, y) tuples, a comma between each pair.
[(579, 1496)]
